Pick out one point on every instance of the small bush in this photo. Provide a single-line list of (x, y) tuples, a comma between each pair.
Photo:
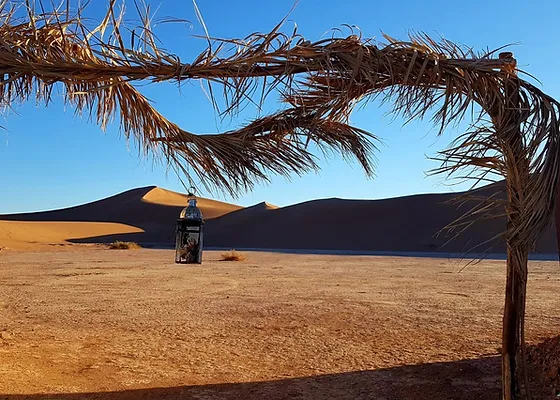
[(232, 255), (118, 245)]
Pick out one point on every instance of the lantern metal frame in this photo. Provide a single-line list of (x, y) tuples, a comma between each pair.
[(188, 249)]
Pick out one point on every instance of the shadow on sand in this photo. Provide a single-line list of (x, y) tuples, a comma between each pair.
[(465, 379)]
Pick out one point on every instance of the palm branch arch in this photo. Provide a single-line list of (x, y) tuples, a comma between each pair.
[(515, 135)]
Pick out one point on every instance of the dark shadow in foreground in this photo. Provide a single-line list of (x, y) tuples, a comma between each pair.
[(465, 379)]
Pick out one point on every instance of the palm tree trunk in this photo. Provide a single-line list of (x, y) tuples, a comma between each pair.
[(513, 322), (557, 222), (517, 175)]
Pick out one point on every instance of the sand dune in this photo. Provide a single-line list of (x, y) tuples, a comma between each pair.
[(147, 214), (404, 224), (132, 206), (28, 235), (210, 208)]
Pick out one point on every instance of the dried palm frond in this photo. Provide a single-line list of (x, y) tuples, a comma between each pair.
[(277, 142), (47, 49)]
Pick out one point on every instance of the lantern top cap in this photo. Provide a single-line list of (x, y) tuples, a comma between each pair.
[(191, 211)]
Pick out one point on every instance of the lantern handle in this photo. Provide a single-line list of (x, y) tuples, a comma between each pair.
[(191, 192)]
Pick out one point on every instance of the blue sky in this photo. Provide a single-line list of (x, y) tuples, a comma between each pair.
[(51, 158)]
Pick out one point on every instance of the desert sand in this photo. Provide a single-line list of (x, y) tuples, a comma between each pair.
[(79, 321), (92, 323), (31, 235)]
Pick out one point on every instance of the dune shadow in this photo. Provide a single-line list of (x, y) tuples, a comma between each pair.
[(413, 254), (466, 379), (144, 239), (152, 237)]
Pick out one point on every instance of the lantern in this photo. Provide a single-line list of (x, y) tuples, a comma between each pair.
[(188, 240)]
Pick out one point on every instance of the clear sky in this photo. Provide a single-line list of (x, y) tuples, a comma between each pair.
[(51, 158)]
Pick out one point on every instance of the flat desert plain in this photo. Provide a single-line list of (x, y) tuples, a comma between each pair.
[(94, 323)]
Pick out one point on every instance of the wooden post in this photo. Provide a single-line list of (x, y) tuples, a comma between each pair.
[(514, 314), (557, 222), (507, 124)]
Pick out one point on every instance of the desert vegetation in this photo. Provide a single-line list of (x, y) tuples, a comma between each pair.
[(233, 255), (120, 245)]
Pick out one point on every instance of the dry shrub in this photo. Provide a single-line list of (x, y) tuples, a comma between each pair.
[(233, 255), (118, 245)]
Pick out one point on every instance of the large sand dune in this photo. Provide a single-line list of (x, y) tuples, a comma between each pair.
[(148, 215), (404, 224)]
